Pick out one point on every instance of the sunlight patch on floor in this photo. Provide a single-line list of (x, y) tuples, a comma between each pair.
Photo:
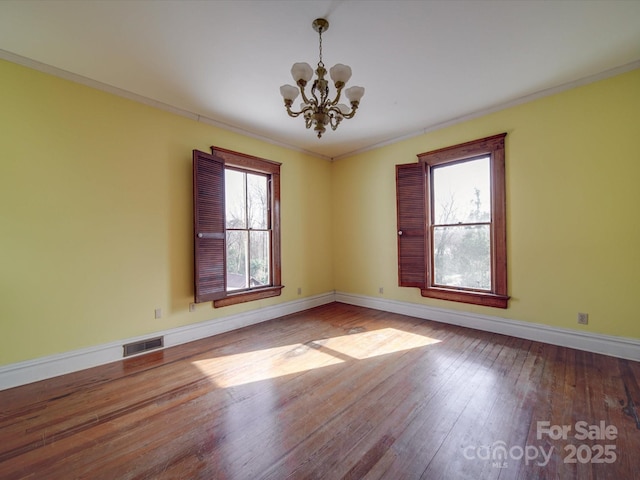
[(258, 365), (255, 366), (369, 344)]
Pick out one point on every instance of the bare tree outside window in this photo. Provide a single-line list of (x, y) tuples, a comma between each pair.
[(247, 223), (461, 233)]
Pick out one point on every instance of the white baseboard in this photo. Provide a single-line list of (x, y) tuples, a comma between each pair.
[(51, 366), (29, 371), (620, 347)]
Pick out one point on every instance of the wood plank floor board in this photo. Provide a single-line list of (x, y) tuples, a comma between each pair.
[(336, 392), (423, 437), (428, 379), (392, 398), (614, 381), (538, 394), (484, 416), (351, 424), (475, 422)]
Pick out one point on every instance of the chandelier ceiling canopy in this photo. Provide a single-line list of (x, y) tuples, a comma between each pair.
[(317, 108)]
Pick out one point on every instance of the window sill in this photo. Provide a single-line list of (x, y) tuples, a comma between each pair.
[(462, 296), (248, 296)]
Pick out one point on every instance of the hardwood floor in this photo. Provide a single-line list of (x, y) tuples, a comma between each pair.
[(337, 392)]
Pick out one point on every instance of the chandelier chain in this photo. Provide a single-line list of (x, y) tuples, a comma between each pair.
[(320, 63)]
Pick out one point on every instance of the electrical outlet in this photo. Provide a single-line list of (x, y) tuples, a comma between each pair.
[(158, 313), (299, 291), (192, 307), (381, 290), (583, 318)]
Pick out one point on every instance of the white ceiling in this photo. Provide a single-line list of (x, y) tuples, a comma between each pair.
[(422, 63)]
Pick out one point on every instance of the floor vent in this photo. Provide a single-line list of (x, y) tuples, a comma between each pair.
[(143, 346)]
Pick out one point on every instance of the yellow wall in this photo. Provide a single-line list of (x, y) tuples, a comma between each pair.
[(573, 193), (96, 217)]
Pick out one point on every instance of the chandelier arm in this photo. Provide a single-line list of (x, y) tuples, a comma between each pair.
[(334, 119), (314, 88), (323, 98), (338, 93), (354, 107), (338, 112), (324, 94), (292, 113), (295, 114), (305, 99), (335, 110)]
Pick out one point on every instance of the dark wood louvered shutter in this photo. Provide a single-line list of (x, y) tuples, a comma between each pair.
[(411, 208), (209, 227)]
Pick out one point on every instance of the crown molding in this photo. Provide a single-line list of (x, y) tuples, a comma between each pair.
[(502, 106), (58, 72), (105, 87)]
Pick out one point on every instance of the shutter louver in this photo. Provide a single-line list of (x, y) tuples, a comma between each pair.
[(411, 208), (209, 227)]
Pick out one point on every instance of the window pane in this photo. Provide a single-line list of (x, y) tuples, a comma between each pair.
[(237, 257), (235, 199), (462, 192), (257, 207), (462, 256), (259, 264)]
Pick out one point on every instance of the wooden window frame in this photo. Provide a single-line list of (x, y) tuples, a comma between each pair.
[(415, 243), (210, 248)]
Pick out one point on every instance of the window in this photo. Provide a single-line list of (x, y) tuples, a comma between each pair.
[(451, 223), (236, 227), (248, 229)]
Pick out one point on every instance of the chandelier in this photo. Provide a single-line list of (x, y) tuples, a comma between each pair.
[(318, 109)]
